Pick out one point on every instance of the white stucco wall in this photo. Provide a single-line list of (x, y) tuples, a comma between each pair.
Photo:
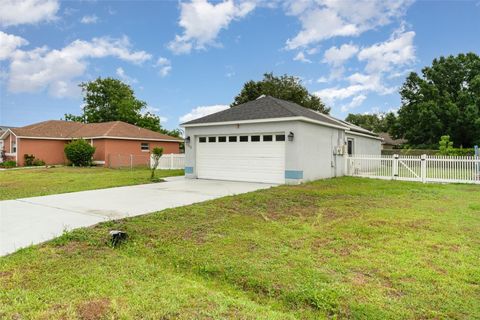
[(365, 145), (311, 152)]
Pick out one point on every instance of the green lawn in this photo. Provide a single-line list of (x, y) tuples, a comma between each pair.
[(22, 183), (339, 248)]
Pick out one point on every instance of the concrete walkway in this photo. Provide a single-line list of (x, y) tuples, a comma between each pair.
[(34, 220)]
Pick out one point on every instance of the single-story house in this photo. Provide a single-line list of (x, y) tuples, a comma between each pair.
[(112, 140), (273, 141), (389, 143)]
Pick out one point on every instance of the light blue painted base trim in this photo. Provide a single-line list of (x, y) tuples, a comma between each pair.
[(293, 174), (188, 170)]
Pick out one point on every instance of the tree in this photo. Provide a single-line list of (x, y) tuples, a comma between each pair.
[(445, 145), (79, 152), (284, 87), (444, 100), (110, 99), (376, 122), (156, 155)]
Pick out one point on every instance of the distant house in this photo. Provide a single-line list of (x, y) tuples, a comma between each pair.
[(46, 141), (389, 142)]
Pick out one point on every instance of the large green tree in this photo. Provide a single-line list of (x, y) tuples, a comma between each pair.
[(445, 100), (283, 87), (109, 99), (376, 122)]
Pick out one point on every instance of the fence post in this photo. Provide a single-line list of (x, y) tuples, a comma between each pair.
[(131, 161), (395, 166), (423, 168), (171, 161)]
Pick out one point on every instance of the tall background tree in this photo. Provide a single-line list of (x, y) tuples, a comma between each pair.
[(109, 99), (445, 100), (284, 87), (376, 122)]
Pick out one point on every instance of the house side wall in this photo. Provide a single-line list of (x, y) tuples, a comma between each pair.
[(118, 152), (309, 156), (99, 145), (7, 143), (365, 145), (50, 151), (316, 151)]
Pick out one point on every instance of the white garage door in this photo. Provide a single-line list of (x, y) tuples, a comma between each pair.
[(248, 157)]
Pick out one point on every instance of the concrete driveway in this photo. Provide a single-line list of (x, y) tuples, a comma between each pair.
[(28, 221)]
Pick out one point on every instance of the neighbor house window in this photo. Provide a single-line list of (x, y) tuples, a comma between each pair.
[(212, 139), (222, 139), (202, 139), (255, 138), (268, 137), (280, 137), (145, 146), (350, 146), (232, 139), (243, 138), (14, 146)]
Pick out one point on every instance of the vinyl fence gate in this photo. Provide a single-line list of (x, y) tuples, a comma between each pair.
[(424, 168)]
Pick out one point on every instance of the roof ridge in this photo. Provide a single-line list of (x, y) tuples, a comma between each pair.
[(111, 128), (275, 100)]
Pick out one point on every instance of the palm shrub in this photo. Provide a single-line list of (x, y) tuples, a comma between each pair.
[(79, 152)]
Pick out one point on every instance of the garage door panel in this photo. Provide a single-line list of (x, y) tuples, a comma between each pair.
[(242, 161)]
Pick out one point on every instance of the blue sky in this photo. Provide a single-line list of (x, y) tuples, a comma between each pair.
[(188, 59)]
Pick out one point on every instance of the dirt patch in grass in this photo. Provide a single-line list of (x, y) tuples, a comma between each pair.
[(93, 309)]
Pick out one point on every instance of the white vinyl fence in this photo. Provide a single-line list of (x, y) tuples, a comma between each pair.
[(171, 161), (422, 168)]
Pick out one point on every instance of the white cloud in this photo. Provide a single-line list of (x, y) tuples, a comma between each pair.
[(163, 119), (59, 70), (337, 56), (301, 57), (359, 84), (164, 66), (324, 19), (9, 43), (356, 101), (91, 19), (16, 12), (202, 22), (322, 80), (397, 51), (202, 111), (123, 76)]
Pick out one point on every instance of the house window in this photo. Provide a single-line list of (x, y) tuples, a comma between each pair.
[(202, 139), (243, 138), (280, 137), (222, 139), (232, 139), (145, 146), (350, 146), (14, 146), (268, 137), (255, 138), (212, 139)]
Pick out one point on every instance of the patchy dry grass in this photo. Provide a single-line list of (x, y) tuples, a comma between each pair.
[(338, 248), (22, 183)]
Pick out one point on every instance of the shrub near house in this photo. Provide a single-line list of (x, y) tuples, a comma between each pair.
[(79, 153)]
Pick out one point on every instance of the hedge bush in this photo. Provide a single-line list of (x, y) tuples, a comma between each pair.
[(8, 164), (79, 152)]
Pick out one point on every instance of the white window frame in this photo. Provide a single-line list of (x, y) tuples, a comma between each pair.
[(145, 143)]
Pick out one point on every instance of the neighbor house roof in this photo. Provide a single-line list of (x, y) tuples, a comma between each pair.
[(267, 107), (67, 130), (387, 139)]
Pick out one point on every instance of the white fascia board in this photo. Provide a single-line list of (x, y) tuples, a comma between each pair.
[(5, 134), (305, 119), (363, 135)]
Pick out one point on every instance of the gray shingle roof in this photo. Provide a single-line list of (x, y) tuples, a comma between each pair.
[(263, 108), (269, 107)]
